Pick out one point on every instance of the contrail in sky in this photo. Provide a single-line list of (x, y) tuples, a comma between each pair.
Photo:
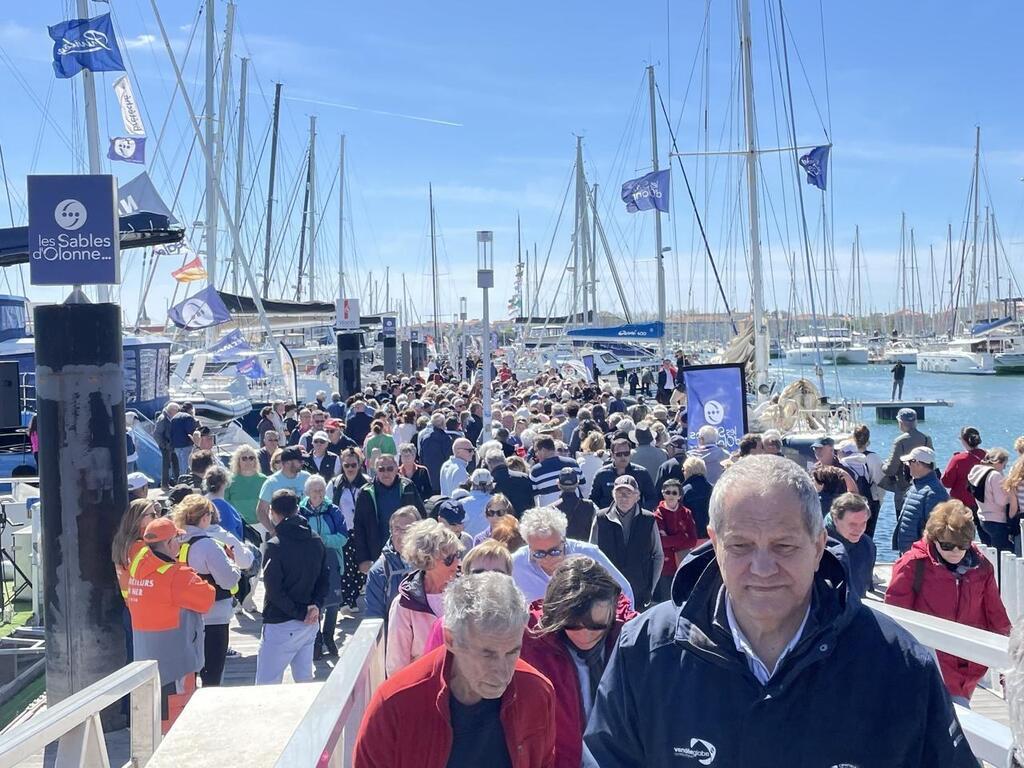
[(339, 105)]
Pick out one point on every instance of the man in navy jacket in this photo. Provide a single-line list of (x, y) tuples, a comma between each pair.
[(760, 638)]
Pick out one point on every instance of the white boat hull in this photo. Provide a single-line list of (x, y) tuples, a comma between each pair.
[(809, 356), (907, 357), (1009, 362), (956, 361)]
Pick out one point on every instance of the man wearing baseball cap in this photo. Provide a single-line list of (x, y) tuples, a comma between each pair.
[(924, 493), (629, 536), (577, 510), (291, 476), (167, 600), (895, 477)]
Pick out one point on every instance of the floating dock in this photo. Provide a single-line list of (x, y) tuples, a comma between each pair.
[(886, 410)]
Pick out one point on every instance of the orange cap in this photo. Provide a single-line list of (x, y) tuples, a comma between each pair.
[(161, 529)]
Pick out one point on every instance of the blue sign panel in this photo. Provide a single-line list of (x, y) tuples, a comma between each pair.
[(716, 396), (73, 230), (414, 335), (388, 326)]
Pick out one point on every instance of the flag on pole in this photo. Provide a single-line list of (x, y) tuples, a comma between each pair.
[(190, 272), (127, 149), (180, 249), (815, 163), (648, 192), (204, 310), (287, 363), (130, 115), (233, 343), (251, 368), (85, 44)]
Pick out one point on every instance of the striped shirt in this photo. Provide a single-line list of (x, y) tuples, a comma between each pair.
[(544, 476)]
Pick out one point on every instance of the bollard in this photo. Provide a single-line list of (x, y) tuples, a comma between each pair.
[(407, 357), (390, 357), (349, 370), (83, 492)]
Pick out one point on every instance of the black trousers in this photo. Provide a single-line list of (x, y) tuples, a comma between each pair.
[(874, 506), (215, 649), (329, 622)]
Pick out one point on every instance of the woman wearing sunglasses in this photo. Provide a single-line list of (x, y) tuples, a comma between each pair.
[(678, 534), (944, 574), (570, 636), (497, 507), (434, 552)]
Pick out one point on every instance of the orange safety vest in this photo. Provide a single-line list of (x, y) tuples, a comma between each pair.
[(158, 591)]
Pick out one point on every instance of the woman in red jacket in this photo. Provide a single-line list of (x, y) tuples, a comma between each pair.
[(678, 534), (961, 463), (945, 575), (569, 638)]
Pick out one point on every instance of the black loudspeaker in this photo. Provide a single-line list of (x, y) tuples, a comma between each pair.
[(10, 395), (349, 371), (390, 355)]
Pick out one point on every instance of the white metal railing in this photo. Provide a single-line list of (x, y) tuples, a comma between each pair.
[(991, 741), (75, 722)]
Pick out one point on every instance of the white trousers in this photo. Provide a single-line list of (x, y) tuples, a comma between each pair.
[(287, 644)]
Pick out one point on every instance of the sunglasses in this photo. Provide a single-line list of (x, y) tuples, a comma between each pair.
[(621, 454), (449, 559), (387, 469), (948, 546), (350, 465), (494, 512), (247, 458), (670, 493), (540, 554), (588, 624)]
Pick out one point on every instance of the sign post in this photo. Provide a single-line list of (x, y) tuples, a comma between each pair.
[(73, 231)]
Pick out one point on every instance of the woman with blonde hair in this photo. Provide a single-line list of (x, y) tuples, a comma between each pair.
[(1014, 485), (987, 483), (244, 492), (125, 547)]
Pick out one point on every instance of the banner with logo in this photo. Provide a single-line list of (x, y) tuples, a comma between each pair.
[(648, 192), (388, 327), (815, 163), (228, 345), (130, 115), (251, 368), (73, 234), (127, 149), (716, 396), (346, 315), (179, 250), (191, 272), (85, 44), (204, 310), (291, 380), (139, 194), (635, 331)]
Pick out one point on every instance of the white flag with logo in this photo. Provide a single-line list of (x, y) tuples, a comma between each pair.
[(130, 115)]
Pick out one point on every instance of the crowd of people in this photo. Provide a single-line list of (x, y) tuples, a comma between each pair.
[(554, 581)]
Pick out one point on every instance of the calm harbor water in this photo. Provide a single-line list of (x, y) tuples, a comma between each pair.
[(987, 402)]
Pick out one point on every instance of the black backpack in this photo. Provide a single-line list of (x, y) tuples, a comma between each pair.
[(863, 484)]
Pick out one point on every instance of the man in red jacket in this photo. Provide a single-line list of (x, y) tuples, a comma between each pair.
[(470, 703)]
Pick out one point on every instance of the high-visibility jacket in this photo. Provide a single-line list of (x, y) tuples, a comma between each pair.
[(221, 593), (122, 570), (167, 600)]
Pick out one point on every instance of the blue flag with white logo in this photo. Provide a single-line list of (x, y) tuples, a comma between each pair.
[(716, 396), (648, 192), (128, 149), (229, 345), (251, 368), (85, 44), (204, 310), (815, 163)]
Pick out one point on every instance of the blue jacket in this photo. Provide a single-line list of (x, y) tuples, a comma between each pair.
[(182, 426), (859, 558), (435, 448), (677, 693), (922, 496), (382, 582)]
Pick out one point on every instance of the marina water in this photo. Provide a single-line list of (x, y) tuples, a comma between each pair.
[(987, 402)]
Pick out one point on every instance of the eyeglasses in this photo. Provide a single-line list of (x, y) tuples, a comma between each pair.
[(247, 458), (391, 468), (667, 493), (494, 512), (449, 559), (948, 546), (621, 454), (540, 554), (349, 465)]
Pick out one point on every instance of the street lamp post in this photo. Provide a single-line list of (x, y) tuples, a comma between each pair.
[(462, 338), (485, 281)]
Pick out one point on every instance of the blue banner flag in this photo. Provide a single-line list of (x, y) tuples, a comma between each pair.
[(204, 310), (85, 44), (716, 396), (648, 192), (815, 163), (127, 149), (251, 368), (636, 331), (229, 345)]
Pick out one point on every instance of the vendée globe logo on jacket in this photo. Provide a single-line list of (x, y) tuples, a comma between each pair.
[(700, 750)]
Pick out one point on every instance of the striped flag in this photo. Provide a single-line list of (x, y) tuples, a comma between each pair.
[(190, 272)]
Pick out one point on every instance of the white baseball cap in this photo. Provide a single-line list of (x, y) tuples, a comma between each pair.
[(922, 453)]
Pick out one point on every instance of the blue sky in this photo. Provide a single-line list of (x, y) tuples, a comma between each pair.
[(485, 101)]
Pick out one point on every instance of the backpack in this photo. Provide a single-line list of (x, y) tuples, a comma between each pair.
[(863, 482), (978, 490)]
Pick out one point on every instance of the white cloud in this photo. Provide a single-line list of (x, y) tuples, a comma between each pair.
[(139, 41)]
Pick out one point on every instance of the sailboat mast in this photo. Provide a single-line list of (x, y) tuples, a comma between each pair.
[(972, 294), (239, 166), (433, 266), (312, 207), (593, 258), (270, 189), (757, 296), (659, 256), (519, 260), (210, 136), (92, 129), (578, 252), (341, 222), (903, 272)]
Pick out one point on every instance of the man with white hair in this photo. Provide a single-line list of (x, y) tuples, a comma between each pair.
[(454, 472), (481, 490), (763, 633), (710, 451), (543, 529), (435, 447), (471, 702)]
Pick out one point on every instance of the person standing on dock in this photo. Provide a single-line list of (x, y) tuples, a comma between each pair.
[(169, 468), (895, 476), (899, 373)]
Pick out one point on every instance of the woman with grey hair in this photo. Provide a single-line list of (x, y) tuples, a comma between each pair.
[(434, 552), (326, 520)]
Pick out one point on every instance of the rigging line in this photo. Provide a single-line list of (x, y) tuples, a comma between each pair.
[(693, 66), (696, 213), (551, 245), (803, 70), (20, 79), (824, 63), (7, 185)]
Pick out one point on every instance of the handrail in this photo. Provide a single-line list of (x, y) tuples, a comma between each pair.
[(74, 722), (346, 692)]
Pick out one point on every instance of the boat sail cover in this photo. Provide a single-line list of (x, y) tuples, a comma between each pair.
[(990, 325), (634, 331), (244, 305)]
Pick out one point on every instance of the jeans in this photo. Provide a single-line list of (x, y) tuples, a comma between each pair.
[(182, 455), (998, 535), (289, 643), (215, 649), (897, 387)]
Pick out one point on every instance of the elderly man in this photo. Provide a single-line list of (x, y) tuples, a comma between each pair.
[(760, 637), (435, 447), (622, 450), (472, 702), (925, 492), (710, 452), (629, 536), (162, 434), (454, 471), (895, 478), (375, 504), (271, 442), (358, 424), (543, 529)]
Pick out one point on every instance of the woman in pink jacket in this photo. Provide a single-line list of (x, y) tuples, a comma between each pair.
[(993, 508)]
